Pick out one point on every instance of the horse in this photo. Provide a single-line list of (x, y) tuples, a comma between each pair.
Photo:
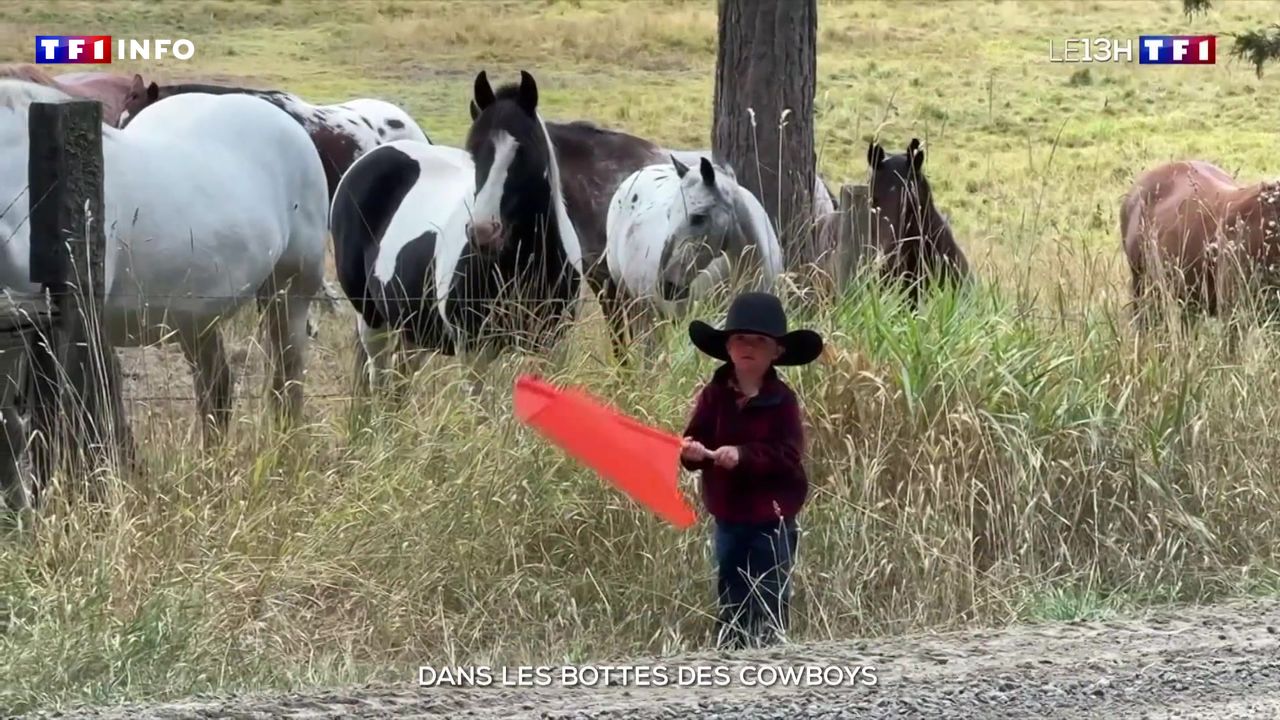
[(1182, 220), (28, 72), (208, 201), (341, 132), (595, 160), (458, 251), (110, 89), (671, 233), (919, 248)]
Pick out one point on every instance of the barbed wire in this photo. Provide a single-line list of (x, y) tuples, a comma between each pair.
[(331, 302), (430, 302)]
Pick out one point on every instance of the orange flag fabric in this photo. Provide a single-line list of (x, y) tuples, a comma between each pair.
[(639, 460)]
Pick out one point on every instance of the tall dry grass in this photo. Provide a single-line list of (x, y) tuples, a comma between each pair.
[(976, 462)]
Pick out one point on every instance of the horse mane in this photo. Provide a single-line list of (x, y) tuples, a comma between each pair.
[(218, 89), (17, 94)]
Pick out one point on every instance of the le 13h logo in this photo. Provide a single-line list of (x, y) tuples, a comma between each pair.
[(97, 49), (1150, 50)]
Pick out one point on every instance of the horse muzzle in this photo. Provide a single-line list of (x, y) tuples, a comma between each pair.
[(487, 237)]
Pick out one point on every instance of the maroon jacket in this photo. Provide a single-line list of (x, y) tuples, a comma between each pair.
[(769, 481)]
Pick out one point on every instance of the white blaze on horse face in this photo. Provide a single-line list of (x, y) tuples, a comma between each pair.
[(488, 205)]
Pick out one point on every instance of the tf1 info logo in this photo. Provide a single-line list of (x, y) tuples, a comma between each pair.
[(96, 49), (1152, 50)]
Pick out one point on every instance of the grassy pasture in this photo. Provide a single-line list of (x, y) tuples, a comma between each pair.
[(1094, 469)]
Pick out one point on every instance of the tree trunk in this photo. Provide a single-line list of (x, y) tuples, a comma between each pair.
[(766, 64)]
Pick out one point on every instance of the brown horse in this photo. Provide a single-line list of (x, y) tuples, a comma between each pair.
[(28, 72), (1182, 220), (109, 89), (919, 247)]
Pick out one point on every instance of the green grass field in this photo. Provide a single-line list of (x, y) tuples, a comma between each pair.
[(1092, 469)]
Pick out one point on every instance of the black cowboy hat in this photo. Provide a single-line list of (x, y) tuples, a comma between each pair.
[(758, 313)]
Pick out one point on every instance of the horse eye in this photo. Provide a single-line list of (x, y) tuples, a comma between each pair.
[(698, 218)]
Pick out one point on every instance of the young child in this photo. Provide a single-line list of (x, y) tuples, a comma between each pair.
[(746, 438)]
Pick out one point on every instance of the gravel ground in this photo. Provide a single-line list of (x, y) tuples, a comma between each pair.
[(1206, 663)]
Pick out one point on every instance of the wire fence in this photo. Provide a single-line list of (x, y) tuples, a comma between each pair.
[(331, 301)]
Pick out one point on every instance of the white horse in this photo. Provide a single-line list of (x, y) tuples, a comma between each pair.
[(672, 235), (209, 201)]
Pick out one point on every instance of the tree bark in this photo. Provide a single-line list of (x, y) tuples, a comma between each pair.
[(766, 65)]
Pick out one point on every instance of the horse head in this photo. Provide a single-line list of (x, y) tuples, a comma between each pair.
[(900, 193), (513, 163), (141, 94), (701, 220)]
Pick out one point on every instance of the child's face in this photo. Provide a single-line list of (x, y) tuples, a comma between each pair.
[(753, 353)]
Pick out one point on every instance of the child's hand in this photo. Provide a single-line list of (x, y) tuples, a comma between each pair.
[(726, 456), (694, 450)]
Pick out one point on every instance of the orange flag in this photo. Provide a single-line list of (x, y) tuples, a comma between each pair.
[(640, 460)]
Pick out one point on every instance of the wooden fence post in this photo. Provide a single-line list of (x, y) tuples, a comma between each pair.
[(854, 242), (77, 404)]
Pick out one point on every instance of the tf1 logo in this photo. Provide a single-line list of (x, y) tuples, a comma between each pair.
[(1152, 50), (96, 49)]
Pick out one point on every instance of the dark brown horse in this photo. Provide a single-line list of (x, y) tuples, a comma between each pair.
[(593, 162), (109, 89), (1189, 226), (920, 250)]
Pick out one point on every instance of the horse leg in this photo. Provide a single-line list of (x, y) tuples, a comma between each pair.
[(638, 330), (212, 377), (610, 297), (1140, 305), (13, 477), (373, 350), (288, 340), (646, 316)]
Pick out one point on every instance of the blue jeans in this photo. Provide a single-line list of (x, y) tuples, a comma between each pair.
[(754, 566)]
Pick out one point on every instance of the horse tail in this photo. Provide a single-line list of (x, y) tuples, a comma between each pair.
[(364, 202)]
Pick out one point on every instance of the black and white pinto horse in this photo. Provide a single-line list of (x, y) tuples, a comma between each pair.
[(460, 251)]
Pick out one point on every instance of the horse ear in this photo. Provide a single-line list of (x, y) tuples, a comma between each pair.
[(153, 92), (475, 111), (875, 154), (681, 168), (528, 96), (708, 172), (138, 86), (483, 92), (915, 153)]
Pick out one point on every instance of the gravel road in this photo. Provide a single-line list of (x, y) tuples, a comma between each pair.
[(1209, 662)]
